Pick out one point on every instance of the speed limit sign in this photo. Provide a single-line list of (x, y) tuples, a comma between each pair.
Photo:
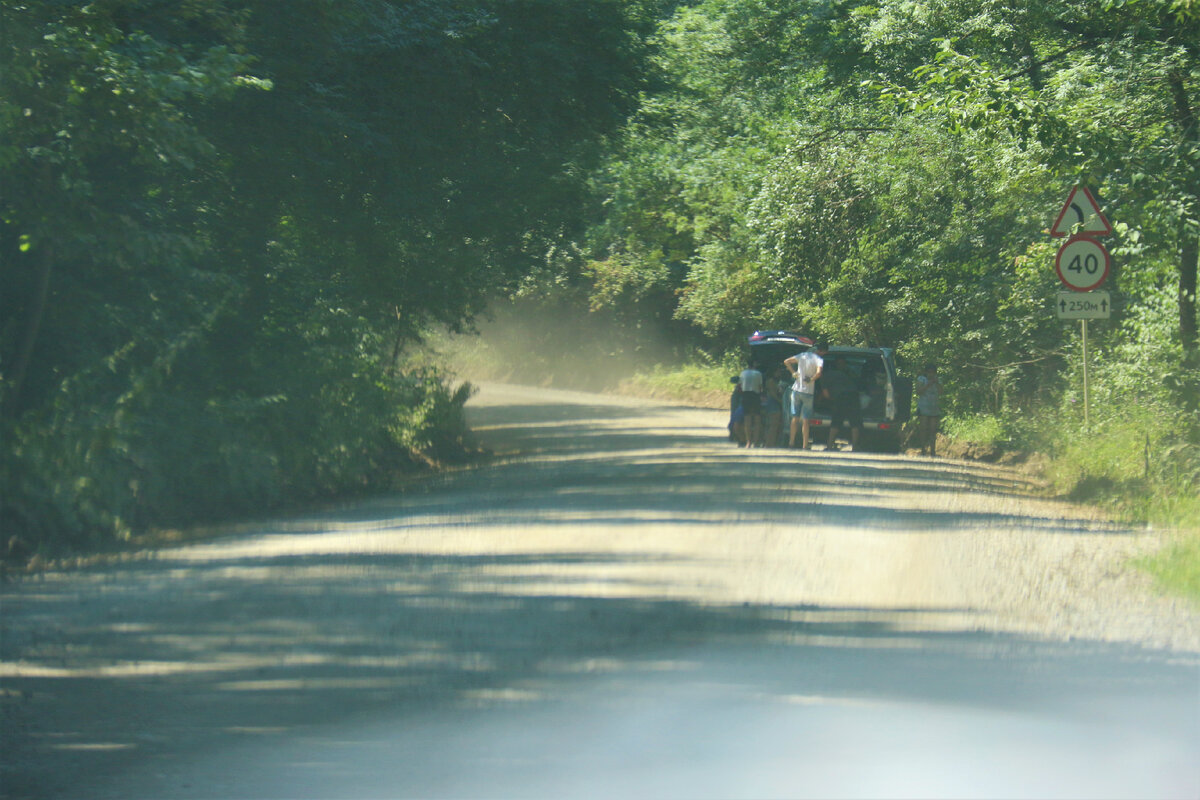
[(1082, 264)]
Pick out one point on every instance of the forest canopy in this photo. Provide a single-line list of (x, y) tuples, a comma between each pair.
[(887, 172), (223, 221)]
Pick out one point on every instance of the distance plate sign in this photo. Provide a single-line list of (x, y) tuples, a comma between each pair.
[(1082, 264), (1083, 305)]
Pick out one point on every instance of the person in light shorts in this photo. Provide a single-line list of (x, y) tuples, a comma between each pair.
[(802, 406), (806, 370)]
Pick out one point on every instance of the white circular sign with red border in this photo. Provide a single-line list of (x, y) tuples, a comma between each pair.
[(1082, 264)]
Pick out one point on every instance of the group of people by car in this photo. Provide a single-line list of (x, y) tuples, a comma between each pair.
[(760, 399)]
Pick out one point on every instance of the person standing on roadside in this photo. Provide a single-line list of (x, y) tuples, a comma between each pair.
[(773, 407), (929, 408), (737, 426), (806, 370), (751, 384)]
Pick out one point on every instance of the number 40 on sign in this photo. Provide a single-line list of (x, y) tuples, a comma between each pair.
[(1082, 264)]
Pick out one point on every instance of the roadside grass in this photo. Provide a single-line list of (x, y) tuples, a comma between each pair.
[(705, 385), (979, 429), (1141, 468), (1136, 464), (1176, 568)]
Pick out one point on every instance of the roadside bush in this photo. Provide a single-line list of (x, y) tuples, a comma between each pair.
[(703, 382), (1141, 453), (429, 423), (1177, 567), (89, 471), (986, 430)]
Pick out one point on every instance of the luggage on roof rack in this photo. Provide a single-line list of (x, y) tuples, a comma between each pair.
[(768, 349), (780, 337)]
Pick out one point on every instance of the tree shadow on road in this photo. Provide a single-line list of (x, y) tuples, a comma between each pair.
[(120, 667)]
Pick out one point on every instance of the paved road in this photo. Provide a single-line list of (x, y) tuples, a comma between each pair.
[(621, 604)]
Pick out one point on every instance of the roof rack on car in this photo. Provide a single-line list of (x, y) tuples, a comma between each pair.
[(788, 337)]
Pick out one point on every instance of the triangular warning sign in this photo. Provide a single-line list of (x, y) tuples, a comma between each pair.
[(1081, 214)]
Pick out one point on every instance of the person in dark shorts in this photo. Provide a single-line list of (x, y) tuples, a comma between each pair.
[(751, 384), (841, 390), (737, 418), (773, 407)]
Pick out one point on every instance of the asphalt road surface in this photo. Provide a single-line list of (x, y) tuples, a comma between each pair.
[(619, 604)]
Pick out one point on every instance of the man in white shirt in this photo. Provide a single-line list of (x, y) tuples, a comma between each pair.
[(751, 383), (806, 369)]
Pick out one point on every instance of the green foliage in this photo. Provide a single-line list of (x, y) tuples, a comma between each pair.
[(1145, 465), (94, 466), (221, 223), (886, 173), (702, 383), (982, 429), (1142, 452), (1177, 567)]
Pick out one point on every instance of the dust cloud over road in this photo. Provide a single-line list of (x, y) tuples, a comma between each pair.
[(619, 603)]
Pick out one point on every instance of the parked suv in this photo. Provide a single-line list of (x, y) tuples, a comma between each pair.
[(885, 397)]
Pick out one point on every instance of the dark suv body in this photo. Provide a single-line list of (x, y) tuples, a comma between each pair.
[(885, 397)]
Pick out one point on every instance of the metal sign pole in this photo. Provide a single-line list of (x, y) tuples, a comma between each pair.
[(1082, 265), (1086, 423)]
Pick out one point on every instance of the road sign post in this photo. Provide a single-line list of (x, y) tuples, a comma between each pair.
[(1082, 265), (1086, 422)]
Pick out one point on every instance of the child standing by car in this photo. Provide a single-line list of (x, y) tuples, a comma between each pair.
[(751, 384), (773, 407), (929, 408)]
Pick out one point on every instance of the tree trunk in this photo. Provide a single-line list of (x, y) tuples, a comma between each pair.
[(1189, 246), (1188, 257), (33, 325)]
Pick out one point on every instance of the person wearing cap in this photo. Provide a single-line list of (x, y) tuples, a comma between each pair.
[(806, 370), (929, 408)]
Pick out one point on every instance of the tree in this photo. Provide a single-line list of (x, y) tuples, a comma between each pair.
[(883, 171), (1107, 88), (99, 156), (220, 223)]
